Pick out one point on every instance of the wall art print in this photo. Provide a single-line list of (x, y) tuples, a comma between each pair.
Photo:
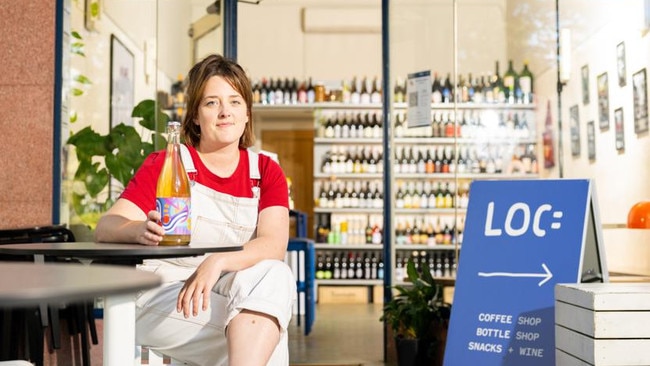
[(640, 92), (603, 101), (122, 83), (591, 141), (585, 84), (620, 64), (619, 123), (574, 121)]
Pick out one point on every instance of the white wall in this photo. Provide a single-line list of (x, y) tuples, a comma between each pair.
[(622, 178)]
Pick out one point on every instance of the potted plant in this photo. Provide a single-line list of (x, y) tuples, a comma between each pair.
[(418, 318), (106, 163)]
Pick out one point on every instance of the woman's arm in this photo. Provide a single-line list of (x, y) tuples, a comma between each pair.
[(125, 222)]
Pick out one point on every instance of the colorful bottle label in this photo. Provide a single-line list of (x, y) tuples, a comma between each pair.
[(174, 215)]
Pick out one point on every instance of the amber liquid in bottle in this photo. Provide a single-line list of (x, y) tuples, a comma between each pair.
[(173, 193)]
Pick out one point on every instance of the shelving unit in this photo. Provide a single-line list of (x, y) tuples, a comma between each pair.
[(503, 132)]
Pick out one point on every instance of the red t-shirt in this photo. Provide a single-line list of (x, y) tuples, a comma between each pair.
[(141, 190)]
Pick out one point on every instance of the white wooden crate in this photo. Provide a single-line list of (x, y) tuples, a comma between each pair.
[(602, 324), (564, 359)]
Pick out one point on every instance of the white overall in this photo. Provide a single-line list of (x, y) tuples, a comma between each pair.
[(267, 287)]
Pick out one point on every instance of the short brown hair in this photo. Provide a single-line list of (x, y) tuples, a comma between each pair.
[(216, 65)]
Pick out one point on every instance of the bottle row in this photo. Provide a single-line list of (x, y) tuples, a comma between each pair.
[(350, 194), (344, 265), (428, 230), (489, 158), (444, 124), (470, 124), (431, 194), (357, 229), (441, 264), (349, 229), (512, 88), (409, 194), (369, 265)]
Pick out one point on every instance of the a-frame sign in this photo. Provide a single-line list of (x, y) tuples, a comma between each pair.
[(521, 238)]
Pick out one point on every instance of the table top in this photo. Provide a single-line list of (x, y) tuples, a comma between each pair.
[(26, 283), (91, 250)]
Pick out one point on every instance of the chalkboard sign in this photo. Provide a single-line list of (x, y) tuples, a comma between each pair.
[(521, 238)]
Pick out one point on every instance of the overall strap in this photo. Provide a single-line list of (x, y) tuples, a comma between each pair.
[(188, 163), (254, 171)]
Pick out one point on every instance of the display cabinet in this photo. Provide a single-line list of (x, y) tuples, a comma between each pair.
[(432, 169)]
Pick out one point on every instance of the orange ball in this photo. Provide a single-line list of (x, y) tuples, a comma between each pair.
[(639, 216)]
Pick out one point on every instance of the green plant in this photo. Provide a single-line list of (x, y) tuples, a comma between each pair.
[(418, 311), (116, 155)]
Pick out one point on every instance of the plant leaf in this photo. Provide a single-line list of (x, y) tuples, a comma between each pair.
[(82, 79)]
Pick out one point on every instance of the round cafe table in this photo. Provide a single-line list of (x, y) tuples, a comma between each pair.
[(25, 284), (119, 303)]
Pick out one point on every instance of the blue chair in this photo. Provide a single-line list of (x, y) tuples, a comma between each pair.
[(301, 244), (307, 284)]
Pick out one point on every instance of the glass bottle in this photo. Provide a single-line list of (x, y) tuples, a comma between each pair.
[(526, 84), (509, 80), (173, 192)]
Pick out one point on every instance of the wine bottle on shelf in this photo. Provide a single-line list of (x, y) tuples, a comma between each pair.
[(364, 93), (336, 265), (509, 80), (355, 91), (375, 92), (173, 198), (351, 266), (302, 93), (358, 266), (345, 92), (264, 92), (320, 267), (367, 266), (311, 93), (344, 265), (498, 94), (256, 92), (447, 90), (328, 267), (398, 91), (477, 86), (285, 96), (294, 91), (526, 84), (436, 89)]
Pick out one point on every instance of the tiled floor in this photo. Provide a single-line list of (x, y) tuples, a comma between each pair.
[(343, 334)]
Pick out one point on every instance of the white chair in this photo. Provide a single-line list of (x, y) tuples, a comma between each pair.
[(145, 356)]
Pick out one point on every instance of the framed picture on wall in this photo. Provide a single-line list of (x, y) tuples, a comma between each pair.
[(620, 63), (591, 140), (603, 101), (122, 83), (620, 129), (585, 84), (640, 92), (574, 121)]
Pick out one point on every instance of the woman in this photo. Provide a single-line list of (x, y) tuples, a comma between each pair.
[(223, 308)]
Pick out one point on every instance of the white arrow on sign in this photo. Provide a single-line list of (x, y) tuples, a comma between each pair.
[(545, 276)]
